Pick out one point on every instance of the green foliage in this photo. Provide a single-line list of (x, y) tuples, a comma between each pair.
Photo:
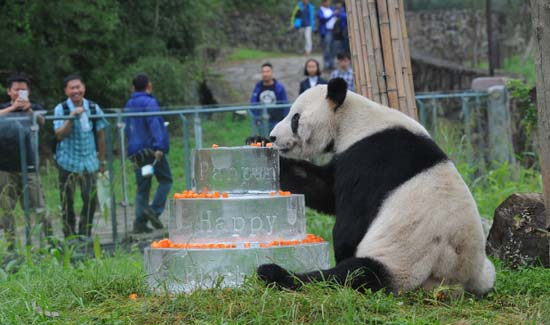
[(106, 41), (526, 69), (521, 92), (525, 109)]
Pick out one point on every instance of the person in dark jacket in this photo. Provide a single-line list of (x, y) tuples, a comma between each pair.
[(313, 74), (269, 91), (148, 144)]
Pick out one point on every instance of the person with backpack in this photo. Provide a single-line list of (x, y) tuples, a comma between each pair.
[(11, 185), (80, 153), (303, 17), (148, 144)]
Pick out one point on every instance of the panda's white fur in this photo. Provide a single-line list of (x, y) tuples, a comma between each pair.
[(427, 230)]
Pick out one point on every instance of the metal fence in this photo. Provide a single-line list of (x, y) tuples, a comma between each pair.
[(469, 113)]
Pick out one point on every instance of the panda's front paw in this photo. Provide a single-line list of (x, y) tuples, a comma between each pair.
[(274, 274), (256, 139)]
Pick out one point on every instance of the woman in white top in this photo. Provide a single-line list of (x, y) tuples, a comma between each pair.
[(313, 74)]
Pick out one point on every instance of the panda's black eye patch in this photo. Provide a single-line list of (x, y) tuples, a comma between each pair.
[(294, 123)]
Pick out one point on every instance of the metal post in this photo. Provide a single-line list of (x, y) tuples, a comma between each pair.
[(114, 222), (467, 130), (434, 118), (25, 182), (500, 133), (480, 128), (121, 125), (265, 122), (422, 112), (198, 131), (186, 152)]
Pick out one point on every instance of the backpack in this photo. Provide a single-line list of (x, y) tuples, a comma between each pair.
[(67, 111)]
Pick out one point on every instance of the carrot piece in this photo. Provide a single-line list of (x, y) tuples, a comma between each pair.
[(215, 146)]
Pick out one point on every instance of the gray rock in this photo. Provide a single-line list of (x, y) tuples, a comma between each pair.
[(518, 235)]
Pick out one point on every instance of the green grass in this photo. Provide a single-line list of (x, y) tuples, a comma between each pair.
[(96, 291), (241, 54)]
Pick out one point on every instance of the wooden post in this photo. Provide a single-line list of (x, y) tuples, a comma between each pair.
[(540, 13), (490, 45), (380, 53)]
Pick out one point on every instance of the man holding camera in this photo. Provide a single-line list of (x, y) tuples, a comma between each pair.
[(148, 145), (80, 153), (11, 185)]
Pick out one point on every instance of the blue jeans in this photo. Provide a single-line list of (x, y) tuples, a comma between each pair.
[(164, 178), (328, 51)]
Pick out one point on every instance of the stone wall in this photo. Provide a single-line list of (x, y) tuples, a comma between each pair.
[(264, 31), (432, 74), (460, 36)]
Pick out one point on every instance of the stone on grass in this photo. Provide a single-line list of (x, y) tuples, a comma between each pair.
[(518, 235)]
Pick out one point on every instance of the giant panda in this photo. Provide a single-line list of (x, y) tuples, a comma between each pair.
[(405, 219)]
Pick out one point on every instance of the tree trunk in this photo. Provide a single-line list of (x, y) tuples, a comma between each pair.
[(540, 13)]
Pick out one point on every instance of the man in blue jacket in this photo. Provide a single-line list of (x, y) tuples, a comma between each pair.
[(269, 91), (303, 17), (148, 143)]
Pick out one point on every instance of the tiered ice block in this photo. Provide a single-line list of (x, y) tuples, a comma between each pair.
[(249, 218), (185, 270), (236, 169)]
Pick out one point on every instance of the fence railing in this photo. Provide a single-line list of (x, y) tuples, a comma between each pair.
[(474, 113)]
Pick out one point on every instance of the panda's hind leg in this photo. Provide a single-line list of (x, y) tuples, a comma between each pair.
[(360, 273)]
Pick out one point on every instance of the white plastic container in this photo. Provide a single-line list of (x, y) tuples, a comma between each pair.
[(85, 125)]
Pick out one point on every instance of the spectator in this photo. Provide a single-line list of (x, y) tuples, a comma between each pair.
[(81, 141), (269, 91), (340, 36), (148, 143), (327, 19), (303, 17), (344, 70), (11, 187), (313, 74)]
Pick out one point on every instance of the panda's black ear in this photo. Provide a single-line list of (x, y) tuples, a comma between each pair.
[(337, 89)]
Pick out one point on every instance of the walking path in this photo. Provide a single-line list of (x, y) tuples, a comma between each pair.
[(241, 77)]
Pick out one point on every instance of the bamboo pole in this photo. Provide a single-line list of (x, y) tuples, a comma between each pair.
[(373, 91), (387, 50), (378, 59), (365, 69), (397, 51), (409, 83), (380, 53), (353, 28)]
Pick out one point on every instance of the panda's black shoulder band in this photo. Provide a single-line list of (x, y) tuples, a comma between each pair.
[(337, 89)]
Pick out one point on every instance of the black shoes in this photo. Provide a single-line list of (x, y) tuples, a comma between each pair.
[(150, 215), (142, 230)]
